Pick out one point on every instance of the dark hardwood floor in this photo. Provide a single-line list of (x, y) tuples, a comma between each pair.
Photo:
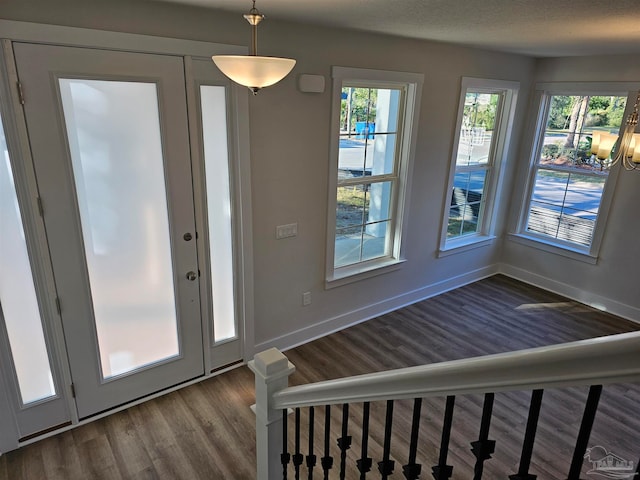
[(206, 431)]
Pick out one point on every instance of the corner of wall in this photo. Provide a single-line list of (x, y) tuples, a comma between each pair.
[(354, 317), (591, 299)]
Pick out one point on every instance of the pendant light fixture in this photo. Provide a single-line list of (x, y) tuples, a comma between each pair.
[(252, 70)]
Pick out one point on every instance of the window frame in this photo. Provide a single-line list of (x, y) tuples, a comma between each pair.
[(541, 103), (411, 85), (494, 168)]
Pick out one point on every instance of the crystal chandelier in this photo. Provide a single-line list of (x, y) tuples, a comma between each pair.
[(628, 151)]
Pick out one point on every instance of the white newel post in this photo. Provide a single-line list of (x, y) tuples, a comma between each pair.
[(272, 370)]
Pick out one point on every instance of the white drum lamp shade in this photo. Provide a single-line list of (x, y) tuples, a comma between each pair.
[(253, 71)]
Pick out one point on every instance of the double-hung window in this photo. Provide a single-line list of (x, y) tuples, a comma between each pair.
[(373, 136), (569, 188), (485, 115)]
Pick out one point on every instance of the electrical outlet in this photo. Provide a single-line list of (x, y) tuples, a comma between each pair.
[(306, 299)]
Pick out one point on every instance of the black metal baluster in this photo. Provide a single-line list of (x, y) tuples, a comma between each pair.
[(311, 458), (327, 460), (364, 464), (529, 438), (442, 471), (412, 469), (297, 456), (344, 442), (285, 456), (588, 417), (483, 448), (386, 466)]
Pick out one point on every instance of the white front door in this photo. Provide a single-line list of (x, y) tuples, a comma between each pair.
[(110, 144)]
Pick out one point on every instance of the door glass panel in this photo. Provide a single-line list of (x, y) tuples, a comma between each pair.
[(113, 128), (216, 159), (18, 296)]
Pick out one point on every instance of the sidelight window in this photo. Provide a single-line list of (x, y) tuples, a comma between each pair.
[(18, 301)]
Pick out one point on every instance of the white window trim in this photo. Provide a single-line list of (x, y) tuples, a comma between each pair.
[(412, 83), (500, 149), (549, 244), (567, 250)]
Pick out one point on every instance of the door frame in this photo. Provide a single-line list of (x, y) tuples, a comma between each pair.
[(240, 186), (59, 168)]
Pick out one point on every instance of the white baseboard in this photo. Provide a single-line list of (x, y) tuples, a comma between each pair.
[(340, 322), (588, 298)]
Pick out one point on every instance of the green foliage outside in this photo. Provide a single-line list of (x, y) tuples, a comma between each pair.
[(601, 111), (571, 121), (480, 110), (363, 106)]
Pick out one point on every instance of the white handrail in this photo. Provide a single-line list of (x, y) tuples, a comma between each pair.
[(602, 360)]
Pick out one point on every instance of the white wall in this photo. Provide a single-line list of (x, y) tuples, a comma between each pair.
[(290, 181), (612, 283), (289, 146)]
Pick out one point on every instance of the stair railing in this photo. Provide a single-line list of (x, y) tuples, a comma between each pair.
[(593, 362)]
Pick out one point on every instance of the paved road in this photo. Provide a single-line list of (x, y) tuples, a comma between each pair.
[(352, 154), (581, 198)]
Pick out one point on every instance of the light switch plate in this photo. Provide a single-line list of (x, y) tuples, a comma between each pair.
[(306, 299), (285, 231)]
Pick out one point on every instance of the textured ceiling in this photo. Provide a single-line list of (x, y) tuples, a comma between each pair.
[(533, 27)]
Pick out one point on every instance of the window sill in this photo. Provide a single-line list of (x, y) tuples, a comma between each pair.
[(361, 271), (464, 244), (552, 247)]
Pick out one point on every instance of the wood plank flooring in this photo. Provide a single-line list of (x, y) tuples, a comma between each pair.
[(206, 431)]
